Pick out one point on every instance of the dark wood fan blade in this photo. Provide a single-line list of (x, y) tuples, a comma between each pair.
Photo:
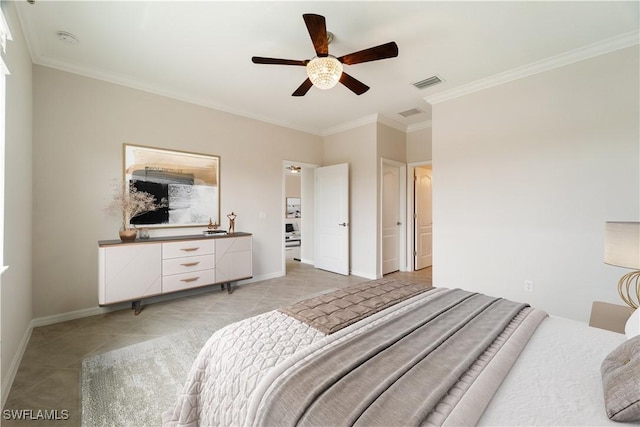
[(277, 61), (303, 89), (356, 86), (387, 50), (317, 28)]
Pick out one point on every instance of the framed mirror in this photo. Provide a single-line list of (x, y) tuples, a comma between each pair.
[(189, 182)]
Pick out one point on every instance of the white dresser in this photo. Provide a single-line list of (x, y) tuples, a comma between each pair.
[(135, 270)]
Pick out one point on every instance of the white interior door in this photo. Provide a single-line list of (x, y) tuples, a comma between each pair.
[(390, 218), (332, 218), (424, 222)]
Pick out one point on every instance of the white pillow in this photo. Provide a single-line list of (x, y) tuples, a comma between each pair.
[(632, 328)]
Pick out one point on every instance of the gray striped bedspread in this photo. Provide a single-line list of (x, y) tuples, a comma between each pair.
[(434, 358)]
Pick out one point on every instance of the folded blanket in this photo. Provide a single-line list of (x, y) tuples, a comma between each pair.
[(393, 374), (333, 311)]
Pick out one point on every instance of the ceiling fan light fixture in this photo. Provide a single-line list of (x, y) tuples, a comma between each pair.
[(324, 71)]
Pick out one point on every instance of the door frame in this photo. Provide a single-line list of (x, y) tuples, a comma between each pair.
[(402, 209), (410, 248)]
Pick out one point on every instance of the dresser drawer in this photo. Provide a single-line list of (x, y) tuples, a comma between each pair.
[(187, 248), (187, 264), (178, 282)]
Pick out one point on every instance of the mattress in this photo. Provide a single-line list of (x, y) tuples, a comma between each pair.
[(556, 381)]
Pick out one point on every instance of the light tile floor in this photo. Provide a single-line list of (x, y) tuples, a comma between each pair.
[(50, 372)]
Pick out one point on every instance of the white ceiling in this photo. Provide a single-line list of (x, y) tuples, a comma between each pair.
[(201, 51)]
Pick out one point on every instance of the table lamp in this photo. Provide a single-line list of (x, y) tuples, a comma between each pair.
[(622, 249)]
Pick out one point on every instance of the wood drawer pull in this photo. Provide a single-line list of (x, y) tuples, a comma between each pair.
[(189, 249), (193, 279), (190, 264)]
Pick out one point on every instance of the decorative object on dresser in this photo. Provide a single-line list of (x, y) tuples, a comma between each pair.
[(232, 221), (161, 265), (144, 233), (190, 182), (129, 203), (622, 249), (212, 229)]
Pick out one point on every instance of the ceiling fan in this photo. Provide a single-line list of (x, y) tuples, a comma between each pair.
[(325, 71)]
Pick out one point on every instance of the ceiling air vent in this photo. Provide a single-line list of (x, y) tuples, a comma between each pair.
[(411, 112), (433, 80)]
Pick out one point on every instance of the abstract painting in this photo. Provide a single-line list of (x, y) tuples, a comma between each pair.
[(293, 207), (188, 182)]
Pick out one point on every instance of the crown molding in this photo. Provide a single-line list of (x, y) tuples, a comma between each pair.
[(157, 90), (28, 28), (600, 48), (373, 118), (419, 126), (391, 123)]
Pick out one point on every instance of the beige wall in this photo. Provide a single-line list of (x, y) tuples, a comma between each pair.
[(16, 281), (391, 143), (358, 148), (419, 145), (80, 126), (292, 185), (525, 176)]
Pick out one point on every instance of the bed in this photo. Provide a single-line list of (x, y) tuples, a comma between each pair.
[(389, 352)]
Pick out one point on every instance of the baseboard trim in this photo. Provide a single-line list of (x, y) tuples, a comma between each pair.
[(365, 275), (15, 364), (7, 382), (94, 311), (73, 315), (263, 277)]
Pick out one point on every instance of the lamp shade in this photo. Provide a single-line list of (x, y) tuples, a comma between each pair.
[(622, 244)]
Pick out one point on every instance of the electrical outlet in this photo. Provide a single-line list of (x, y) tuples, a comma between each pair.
[(528, 285)]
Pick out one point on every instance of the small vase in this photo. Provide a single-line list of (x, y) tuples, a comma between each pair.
[(128, 235)]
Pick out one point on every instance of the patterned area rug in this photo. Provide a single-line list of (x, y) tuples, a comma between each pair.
[(135, 384)]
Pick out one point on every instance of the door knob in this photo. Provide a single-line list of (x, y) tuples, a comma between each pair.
[(344, 224), (398, 223)]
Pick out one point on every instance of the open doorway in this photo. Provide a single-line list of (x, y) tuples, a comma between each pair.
[(298, 214), (293, 213)]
